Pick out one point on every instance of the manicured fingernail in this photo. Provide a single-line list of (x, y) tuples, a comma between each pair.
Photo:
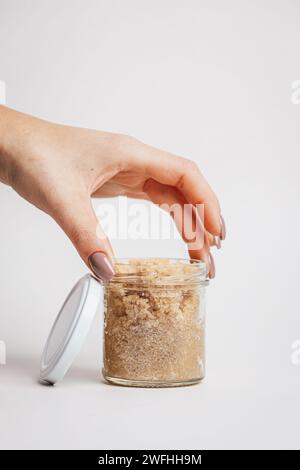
[(101, 266), (223, 228), (212, 267), (217, 242)]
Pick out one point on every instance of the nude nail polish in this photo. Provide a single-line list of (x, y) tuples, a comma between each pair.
[(223, 228), (212, 267), (101, 266), (217, 242)]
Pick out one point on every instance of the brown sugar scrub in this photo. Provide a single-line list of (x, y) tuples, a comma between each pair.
[(154, 323)]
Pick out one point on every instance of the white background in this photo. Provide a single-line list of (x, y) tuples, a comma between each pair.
[(210, 80)]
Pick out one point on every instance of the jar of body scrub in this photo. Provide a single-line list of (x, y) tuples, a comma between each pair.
[(154, 324)]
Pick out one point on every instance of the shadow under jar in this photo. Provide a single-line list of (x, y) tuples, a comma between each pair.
[(154, 320)]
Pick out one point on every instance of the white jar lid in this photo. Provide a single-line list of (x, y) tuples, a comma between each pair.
[(70, 329)]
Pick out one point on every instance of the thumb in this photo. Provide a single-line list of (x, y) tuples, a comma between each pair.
[(79, 222)]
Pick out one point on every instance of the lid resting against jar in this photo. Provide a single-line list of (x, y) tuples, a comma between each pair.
[(70, 329)]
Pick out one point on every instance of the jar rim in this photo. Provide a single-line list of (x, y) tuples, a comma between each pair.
[(147, 276)]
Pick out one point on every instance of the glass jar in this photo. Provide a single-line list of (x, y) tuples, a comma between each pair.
[(154, 320)]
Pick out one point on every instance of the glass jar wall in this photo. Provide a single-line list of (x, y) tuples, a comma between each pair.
[(154, 323)]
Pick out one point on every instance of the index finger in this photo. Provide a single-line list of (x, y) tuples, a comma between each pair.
[(181, 173)]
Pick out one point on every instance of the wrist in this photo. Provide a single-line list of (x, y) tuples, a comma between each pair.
[(15, 131), (4, 152)]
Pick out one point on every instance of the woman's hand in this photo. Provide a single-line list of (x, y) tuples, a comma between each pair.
[(58, 168)]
